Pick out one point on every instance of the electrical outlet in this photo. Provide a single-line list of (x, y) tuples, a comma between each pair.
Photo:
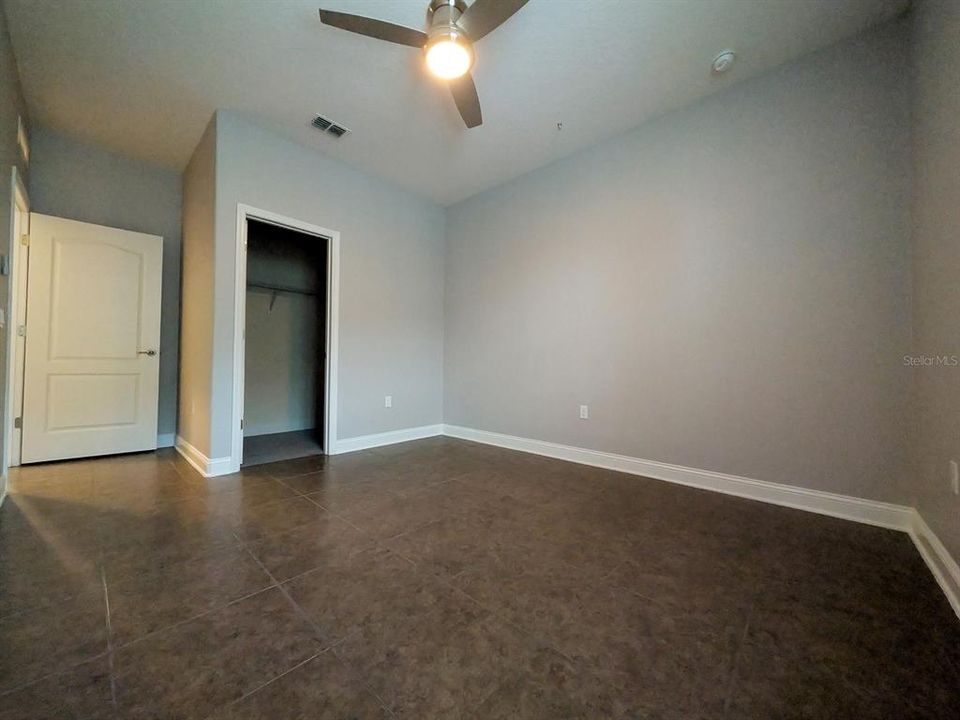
[(388, 401), (584, 412), (955, 477)]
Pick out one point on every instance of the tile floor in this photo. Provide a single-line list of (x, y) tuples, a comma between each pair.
[(445, 579)]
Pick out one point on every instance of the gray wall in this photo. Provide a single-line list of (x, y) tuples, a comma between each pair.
[(727, 287), (196, 318), (391, 277), (936, 241), (12, 106), (77, 181)]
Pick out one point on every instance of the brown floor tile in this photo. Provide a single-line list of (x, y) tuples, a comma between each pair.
[(81, 692), (327, 541), (808, 657), (252, 523), (454, 543), (443, 578), (391, 517), (291, 468), (52, 639), (190, 670), (319, 689), (373, 586), (427, 662), (143, 602), (345, 498), (34, 574), (246, 489)]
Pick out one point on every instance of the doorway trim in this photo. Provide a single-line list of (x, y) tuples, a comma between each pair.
[(16, 298), (248, 212)]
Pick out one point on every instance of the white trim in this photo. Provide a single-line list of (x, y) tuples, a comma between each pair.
[(19, 201), (364, 442), (938, 559), (166, 440), (201, 463), (245, 212), (871, 512)]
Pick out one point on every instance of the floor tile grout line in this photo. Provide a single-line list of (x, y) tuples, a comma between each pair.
[(357, 551), (335, 514), (184, 621), (110, 666), (383, 703), (286, 593), (272, 680), (735, 666), (56, 673), (503, 619), (316, 629)]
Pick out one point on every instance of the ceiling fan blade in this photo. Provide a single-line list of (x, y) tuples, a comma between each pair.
[(486, 15), (374, 28), (468, 103)]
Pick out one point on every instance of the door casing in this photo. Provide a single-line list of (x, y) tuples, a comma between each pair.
[(16, 312), (332, 237)]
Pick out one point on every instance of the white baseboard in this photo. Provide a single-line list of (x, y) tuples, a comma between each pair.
[(166, 440), (938, 559), (364, 442), (201, 463), (872, 512)]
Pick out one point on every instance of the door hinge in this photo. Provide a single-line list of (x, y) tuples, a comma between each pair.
[(241, 423), (17, 423), (21, 330), (25, 239)]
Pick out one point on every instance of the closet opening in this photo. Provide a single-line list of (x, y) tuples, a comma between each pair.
[(285, 343)]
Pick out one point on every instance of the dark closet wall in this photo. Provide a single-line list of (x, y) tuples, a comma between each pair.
[(286, 330)]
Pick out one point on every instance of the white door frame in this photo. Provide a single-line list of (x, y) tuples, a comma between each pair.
[(247, 212), (16, 298)]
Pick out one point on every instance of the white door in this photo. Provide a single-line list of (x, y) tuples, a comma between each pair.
[(93, 332)]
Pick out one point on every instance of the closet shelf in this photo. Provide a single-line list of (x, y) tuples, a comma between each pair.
[(281, 288)]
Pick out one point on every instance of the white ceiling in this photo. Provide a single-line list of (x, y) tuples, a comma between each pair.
[(142, 78)]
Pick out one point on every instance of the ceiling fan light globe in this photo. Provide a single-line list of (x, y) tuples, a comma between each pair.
[(449, 57)]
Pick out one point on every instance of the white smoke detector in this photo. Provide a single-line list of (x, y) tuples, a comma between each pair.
[(722, 62)]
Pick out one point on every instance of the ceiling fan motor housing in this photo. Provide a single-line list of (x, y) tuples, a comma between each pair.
[(442, 18), (448, 50)]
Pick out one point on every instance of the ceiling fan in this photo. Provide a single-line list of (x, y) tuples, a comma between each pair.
[(452, 28)]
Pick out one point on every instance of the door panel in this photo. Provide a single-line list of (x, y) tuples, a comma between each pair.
[(72, 293), (93, 312)]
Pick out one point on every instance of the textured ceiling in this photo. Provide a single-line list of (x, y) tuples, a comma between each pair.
[(142, 78)]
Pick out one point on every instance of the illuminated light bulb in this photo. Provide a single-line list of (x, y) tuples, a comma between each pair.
[(449, 57)]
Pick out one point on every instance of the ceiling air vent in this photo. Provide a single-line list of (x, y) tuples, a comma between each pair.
[(329, 126)]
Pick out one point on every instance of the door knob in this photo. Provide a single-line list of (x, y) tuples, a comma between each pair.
[(150, 353)]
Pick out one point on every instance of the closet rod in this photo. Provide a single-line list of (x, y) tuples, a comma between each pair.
[(280, 288)]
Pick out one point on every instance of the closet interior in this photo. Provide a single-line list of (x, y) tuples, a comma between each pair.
[(285, 344)]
